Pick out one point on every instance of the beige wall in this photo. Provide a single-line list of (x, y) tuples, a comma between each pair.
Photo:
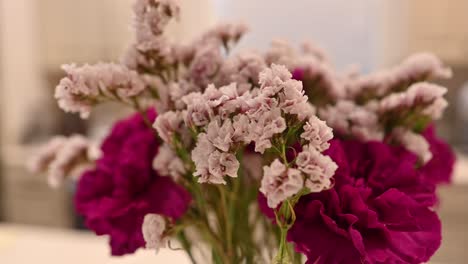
[(19, 63)]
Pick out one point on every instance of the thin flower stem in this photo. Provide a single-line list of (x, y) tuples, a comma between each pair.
[(225, 217)]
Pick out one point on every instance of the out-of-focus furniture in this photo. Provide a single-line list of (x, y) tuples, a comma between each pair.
[(27, 198)]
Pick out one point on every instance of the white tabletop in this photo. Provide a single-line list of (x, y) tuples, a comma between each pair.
[(24, 244)]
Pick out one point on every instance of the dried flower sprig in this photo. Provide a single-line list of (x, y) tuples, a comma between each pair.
[(64, 157)]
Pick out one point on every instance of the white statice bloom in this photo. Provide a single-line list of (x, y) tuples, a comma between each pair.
[(69, 160), (168, 124), (377, 84), (416, 68), (347, 118), (199, 112), (223, 34), (423, 66), (206, 63), (220, 134), (277, 85), (260, 104), (324, 78), (292, 99), (243, 69), (225, 97), (279, 183), (304, 111), (317, 133), (211, 157), (167, 163), (152, 16), (46, 154), (264, 126), (85, 86), (151, 48), (200, 154), (153, 228), (281, 52), (220, 164), (413, 142), (132, 58), (365, 125), (241, 126), (177, 91), (274, 79), (423, 95), (318, 168)]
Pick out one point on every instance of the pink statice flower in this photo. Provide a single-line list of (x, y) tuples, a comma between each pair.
[(85, 86), (222, 164), (199, 111), (71, 156), (320, 81), (152, 16), (46, 154), (150, 48), (279, 183), (153, 228), (277, 82), (423, 66), (220, 134), (318, 168), (167, 163), (243, 69), (203, 149), (317, 133), (225, 33), (426, 97), (206, 62), (264, 126), (168, 125), (62, 158), (416, 68), (349, 119)]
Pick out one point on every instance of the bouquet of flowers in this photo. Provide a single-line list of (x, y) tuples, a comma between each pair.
[(255, 157)]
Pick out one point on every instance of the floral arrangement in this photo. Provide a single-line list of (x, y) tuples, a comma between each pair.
[(256, 157)]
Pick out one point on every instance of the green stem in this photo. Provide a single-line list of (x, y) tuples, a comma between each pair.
[(186, 245), (283, 256), (226, 218)]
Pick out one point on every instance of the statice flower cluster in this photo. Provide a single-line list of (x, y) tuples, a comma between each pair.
[(63, 157), (224, 120), (153, 229), (346, 165), (88, 85)]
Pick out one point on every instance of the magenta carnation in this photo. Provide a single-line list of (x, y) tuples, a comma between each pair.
[(440, 168), (123, 188), (377, 212)]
